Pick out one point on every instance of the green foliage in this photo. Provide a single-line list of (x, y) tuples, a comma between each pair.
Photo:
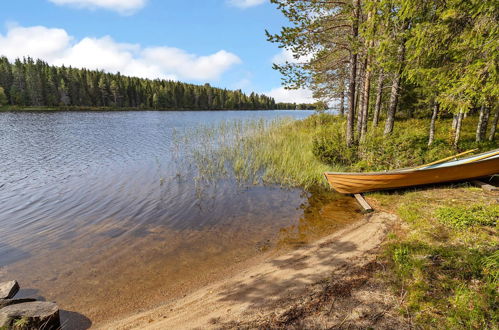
[(22, 323), (461, 217), (406, 146), (297, 153), (453, 51), (320, 39), (330, 148)]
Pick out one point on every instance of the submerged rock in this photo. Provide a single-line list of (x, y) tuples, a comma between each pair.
[(31, 315), (8, 289)]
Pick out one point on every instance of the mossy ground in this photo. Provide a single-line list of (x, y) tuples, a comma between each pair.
[(444, 258)]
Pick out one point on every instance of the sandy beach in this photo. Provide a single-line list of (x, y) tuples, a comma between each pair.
[(271, 290)]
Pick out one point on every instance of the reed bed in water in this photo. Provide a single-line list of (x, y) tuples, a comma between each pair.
[(256, 152)]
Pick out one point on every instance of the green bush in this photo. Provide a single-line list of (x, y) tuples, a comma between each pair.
[(407, 146), (330, 148)]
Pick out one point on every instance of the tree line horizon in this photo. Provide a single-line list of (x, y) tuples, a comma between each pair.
[(35, 83)]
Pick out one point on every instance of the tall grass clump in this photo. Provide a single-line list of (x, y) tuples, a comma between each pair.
[(259, 151)]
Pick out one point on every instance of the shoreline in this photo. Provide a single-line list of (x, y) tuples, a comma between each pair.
[(270, 286), (113, 109)]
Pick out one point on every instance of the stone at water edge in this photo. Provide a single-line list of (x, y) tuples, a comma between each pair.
[(8, 302), (36, 315), (8, 289)]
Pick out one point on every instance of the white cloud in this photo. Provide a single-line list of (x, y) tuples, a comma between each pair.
[(57, 47), (125, 7), (280, 94), (287, 56), (188, 65), (36, 41), (246, 3)]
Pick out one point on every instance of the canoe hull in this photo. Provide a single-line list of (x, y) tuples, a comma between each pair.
[(354, 183)]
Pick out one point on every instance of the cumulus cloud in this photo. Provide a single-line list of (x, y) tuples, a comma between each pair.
[(245, 3), (280, 94), (36, 41), (125, 7), (188, 65), (287, 56), (57, 47)]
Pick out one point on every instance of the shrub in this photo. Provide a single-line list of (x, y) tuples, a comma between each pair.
[(330, 148)]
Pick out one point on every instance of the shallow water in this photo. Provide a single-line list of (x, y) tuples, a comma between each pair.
[(100, 213)]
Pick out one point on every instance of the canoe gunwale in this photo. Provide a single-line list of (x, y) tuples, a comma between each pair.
[(348, 183)]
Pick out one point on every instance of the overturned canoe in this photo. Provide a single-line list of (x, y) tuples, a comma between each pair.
[(485, 164)]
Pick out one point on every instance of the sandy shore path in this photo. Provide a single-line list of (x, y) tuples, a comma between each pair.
[(267, 288)]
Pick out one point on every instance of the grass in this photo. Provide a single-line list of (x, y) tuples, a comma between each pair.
[(444, 260), (463, 217), (275, 152)]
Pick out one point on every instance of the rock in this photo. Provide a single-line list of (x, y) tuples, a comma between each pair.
[(8, 302), (8, 289), (31, 315)]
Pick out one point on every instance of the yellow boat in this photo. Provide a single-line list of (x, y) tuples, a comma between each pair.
[(473, 167)]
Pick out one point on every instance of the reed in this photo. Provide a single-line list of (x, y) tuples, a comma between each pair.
[(257, 152)]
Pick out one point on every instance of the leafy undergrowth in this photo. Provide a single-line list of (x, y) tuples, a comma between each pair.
[(407, 146), (444, 260)]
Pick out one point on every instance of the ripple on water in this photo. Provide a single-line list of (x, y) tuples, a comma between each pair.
[(101, 203)]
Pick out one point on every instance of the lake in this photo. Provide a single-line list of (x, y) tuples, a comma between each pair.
[(99, 211)]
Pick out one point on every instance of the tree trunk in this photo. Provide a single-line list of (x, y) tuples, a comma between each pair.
[(342, 102), (432, 124), (379, 93), (365, 101), (494, 125), (359, 99), (457, 133), (353, 75), (394, 95), (454, 122), (483, 121)]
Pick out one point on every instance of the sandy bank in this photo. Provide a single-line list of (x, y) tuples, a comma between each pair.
[(272, 288)]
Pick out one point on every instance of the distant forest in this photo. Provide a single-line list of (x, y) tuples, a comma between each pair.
[(30, 83)]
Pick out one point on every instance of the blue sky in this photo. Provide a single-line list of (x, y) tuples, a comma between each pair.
[(217, 41)]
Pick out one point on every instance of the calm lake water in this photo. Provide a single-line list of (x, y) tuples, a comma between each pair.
[(99, 211)]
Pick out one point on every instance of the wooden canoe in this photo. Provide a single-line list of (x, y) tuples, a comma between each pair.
[(468, 168)]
